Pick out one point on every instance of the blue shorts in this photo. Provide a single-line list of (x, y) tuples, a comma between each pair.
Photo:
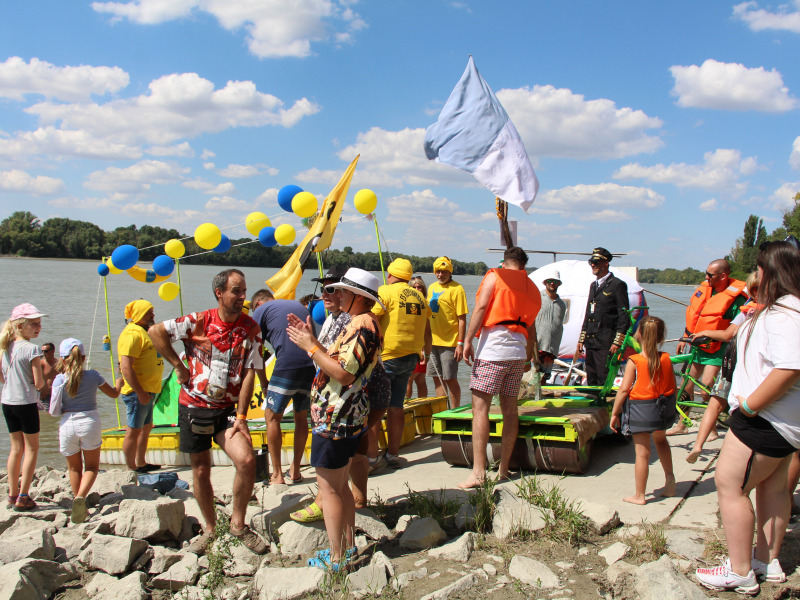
[(399, 370), (292, 385), (139, 414), (329, 453)]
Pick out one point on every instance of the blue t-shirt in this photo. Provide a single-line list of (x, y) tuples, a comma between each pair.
[(85, 399), (272, 318)]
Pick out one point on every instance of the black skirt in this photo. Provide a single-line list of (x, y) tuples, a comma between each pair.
[(646, 416)]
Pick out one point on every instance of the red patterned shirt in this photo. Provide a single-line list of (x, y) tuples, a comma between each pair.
[(217, 354)]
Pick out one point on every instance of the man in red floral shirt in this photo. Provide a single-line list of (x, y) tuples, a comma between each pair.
[(223, 350)]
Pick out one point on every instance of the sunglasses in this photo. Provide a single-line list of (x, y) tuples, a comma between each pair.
[(552, 281), (329, 289), (712, 275), (594, 262)]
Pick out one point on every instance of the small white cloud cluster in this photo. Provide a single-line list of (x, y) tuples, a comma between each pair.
[(759, 19), (794, 157), (599, 202), (20, 181), (731, 86), (275, 28), (72, 84)]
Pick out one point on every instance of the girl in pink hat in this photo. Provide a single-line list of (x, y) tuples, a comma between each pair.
[(22, 379)]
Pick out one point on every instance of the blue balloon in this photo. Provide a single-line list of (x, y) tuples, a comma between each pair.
[(267, 237), (318, 311), (224, 245), (125, 257), (285, 196), (103, 270), (163, 265)]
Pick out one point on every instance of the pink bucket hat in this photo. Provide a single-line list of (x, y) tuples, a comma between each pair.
[(26, 311)]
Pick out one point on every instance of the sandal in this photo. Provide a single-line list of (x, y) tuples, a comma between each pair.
[(288, 475), (325, 564), (309, 514), (12, 500), (24, 502)]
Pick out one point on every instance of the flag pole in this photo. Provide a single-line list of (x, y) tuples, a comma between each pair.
[(110, 347), (380, 252)]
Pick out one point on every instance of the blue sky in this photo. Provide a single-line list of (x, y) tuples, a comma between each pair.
[(655, 128)]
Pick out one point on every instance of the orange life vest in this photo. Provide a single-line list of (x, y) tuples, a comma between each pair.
[(515, 301), (749, 306), (646, 389), (706, 311)]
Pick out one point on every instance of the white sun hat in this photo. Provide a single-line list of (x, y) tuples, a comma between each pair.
[(360, 282)]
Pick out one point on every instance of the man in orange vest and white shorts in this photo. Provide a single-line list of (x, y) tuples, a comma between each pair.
[(505, 314), (713, 306)]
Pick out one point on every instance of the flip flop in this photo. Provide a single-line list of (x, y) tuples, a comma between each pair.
[(288, 476), (309, 514)]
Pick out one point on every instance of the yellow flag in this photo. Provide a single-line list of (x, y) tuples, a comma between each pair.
[(318, 238)]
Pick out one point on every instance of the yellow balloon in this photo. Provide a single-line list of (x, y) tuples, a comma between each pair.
[(255, 222), (208, 236), (112, 269), (365, 201), (284, 234), (168, 291), (304, 204), (174, 249)]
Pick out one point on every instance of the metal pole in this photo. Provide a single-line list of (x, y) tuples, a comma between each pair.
[(380, 253), (180, 287), (111, 347)]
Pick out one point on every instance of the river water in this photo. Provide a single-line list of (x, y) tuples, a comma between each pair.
[(72, 294)]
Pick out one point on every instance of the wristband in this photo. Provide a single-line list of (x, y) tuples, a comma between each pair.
[(241, 416), (314, 349), (746, 408), (460, 342)]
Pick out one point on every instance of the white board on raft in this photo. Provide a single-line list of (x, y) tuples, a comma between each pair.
[(576, 277)]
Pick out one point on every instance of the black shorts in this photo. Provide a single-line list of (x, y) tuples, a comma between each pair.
[(22, 417), (328, 453), (190, 419), (759, 435)]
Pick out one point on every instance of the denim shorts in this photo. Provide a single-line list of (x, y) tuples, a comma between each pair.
[(139, 414), (399, 370)]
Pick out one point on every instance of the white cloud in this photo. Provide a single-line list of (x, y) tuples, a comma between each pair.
[(759, 19), (557, 122), (148, 212), (227, 203), (794, 157), (49, 141), (136, 178), (20, 181), (183, 150), (425, 210), (240, 171), (783, 197), (207, 154), (18, 78), (709, 205), (84, 203), (274, 28), (720, 171), (731, 86), (599, 202)]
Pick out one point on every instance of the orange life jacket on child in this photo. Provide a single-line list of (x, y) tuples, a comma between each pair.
[(646, 389), (706, 311), (515, 301)]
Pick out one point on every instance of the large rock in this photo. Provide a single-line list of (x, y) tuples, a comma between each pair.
[(661, 580), (243, 561), (459, 550), (33, 579), (277, 509), (296, 538), (163, 559), (513, 515), (287, 584), (137, 492), (112, 481), (614, 552), (532, 572), (182, 573), (111, 553), (128, 588), (55, 482), (602, 518), (368, 522), (422, 534), (155, 521), (465, 517), (37, 544), (686, 543), (30, 525), (368, 580), (459, 585)]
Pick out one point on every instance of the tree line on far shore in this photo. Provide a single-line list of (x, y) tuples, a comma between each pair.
[(24, 234)]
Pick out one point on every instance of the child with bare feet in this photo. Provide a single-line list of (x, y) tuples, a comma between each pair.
[(645, 405)]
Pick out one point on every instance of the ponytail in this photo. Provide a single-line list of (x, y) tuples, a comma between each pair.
[(72, 368), (6, 335)]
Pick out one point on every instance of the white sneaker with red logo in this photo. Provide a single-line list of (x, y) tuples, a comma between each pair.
[(723, 578), (771, 571)]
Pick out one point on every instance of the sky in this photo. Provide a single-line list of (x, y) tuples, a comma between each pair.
[(655, 128)]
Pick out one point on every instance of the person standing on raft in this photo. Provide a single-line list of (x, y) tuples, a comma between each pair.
[(606, 319), (505, 316)]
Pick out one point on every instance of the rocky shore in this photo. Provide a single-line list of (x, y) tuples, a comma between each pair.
[(532, 542)]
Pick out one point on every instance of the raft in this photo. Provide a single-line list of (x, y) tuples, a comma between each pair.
[(556, 433)]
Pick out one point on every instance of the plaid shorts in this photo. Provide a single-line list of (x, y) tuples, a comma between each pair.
[(497, 377)]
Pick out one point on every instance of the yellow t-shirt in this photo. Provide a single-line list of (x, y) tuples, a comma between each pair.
[(404, 320), (147, 362), (447, 302)]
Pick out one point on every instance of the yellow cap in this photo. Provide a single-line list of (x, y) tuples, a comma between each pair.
[(401, 268), (443, 264)]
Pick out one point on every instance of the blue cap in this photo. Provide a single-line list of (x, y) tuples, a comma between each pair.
[(68, 344)]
